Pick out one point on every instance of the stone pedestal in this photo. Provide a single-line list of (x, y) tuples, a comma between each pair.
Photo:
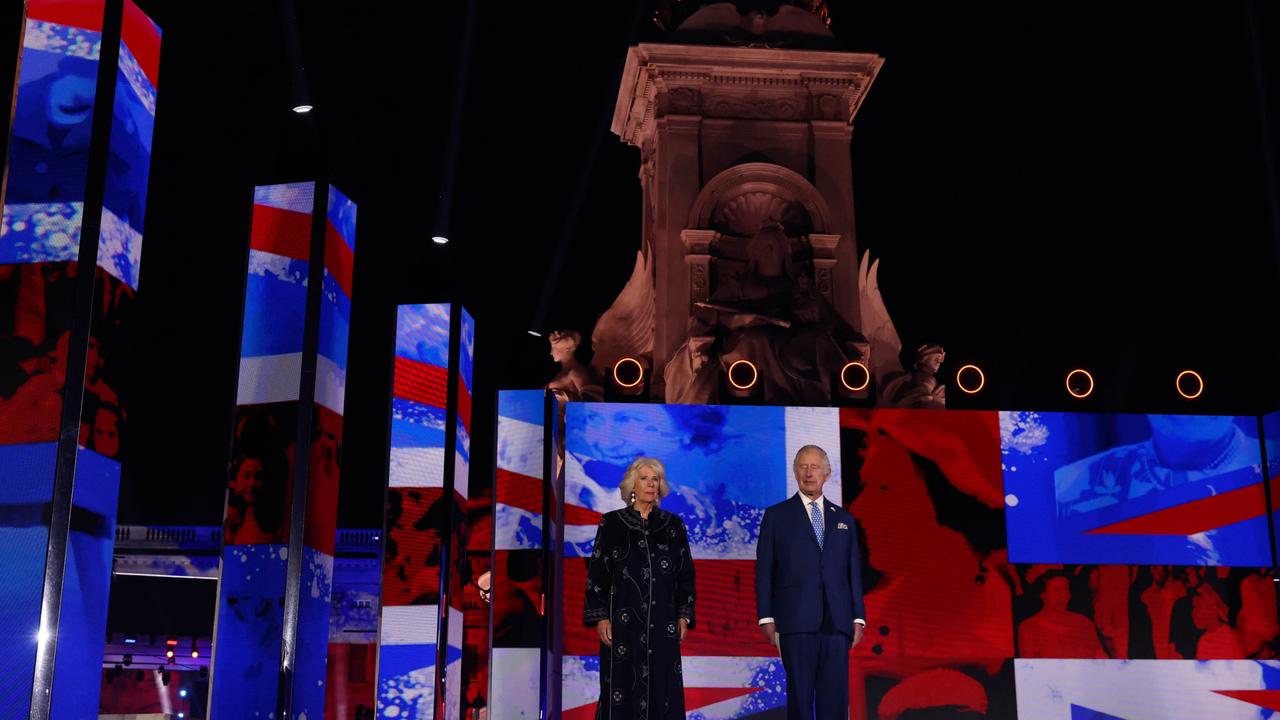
[(731, 137)]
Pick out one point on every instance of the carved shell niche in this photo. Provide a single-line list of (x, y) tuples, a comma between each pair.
[(745, 211)]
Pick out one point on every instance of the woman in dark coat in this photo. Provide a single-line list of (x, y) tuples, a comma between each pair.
[(640, 600)]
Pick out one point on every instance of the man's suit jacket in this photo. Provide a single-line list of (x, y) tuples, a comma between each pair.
[(793, 572)]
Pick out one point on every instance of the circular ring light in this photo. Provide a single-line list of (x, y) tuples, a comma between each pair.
[(858, 370), (734, 371), (1190, 378), (1083, 376), (971, 370), (628, 362)]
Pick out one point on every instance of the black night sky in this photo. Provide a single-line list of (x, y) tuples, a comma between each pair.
[(1048, 185)]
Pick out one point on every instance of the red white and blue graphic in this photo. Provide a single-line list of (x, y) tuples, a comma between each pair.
[(335, 302), (275, 302), (725, 465), (518, 626), (1271, 433), (133, 120), (1147, 689), (518, 481), (419, 396), (407, 662), (48, 155), (418, 516), (1134, 489)]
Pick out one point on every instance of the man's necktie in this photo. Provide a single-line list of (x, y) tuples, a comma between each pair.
[(815, 514)]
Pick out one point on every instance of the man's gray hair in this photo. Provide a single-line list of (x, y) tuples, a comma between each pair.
[(796, 463)]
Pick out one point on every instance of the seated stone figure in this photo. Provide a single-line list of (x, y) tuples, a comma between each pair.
[(575, 381), (772, 315)]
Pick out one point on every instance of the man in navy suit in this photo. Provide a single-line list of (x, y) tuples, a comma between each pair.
[(809, 591)]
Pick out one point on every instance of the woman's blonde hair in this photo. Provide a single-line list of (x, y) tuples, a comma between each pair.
[(633, 472)]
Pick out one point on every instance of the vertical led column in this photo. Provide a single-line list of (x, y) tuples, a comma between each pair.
[(74, 198), (271, 631), (519, 627), (420, 653)]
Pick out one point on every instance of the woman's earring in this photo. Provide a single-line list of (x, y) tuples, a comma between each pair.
[(633, 498)]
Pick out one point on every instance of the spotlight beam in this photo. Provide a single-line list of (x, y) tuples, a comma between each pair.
[(448, 170), (584, 178)]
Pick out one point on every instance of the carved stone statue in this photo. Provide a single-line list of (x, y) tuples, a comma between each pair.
[(772, 315), (921, 388), (575, 381)]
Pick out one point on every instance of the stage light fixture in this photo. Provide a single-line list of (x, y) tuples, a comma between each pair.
[(128, 659), (182, 693), (1079, 383), (303, 109), (204, 672), (440, 239), (164, 677), (855, 377), (976, 379), (1189, 384), (534, 333), (195, 649), (743, 375), (130, 640), (628, 373)]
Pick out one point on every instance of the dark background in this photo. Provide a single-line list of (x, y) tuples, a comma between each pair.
[(1048, 185)]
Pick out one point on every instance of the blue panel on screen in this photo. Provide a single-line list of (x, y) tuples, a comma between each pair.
[(48, 156), (466, 361), (335, 322), (275, 302), (128, 166), (53, 119), (422, 333), (416, 425), (331, 364), (341, 213), (1271, 432), (407, 676), (722, 476), (87, 587), (313, 633), (523, 405), (249, 630), (1133, 489), (24, 535)]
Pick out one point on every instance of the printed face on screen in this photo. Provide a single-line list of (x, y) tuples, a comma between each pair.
[(1136, 489), (618, 434), (106, 431), (247, 483), (1191, 429), (1057, 594), (70, 100)]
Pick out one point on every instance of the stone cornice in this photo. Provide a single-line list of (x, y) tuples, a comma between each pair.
[(738, 83)]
